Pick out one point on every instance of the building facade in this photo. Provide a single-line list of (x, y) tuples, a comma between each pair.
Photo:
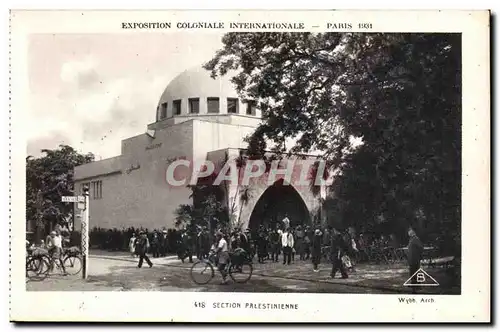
[(197, 118)]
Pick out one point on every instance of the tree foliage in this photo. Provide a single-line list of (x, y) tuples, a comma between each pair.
[(384, 109), (47, 179), (207, 210)]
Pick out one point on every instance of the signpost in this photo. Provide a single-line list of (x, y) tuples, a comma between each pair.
[(83, 204), (73, 199)]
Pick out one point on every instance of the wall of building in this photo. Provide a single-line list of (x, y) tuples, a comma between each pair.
[(105, 166), (233, 119), (139, 195), (211, 136)]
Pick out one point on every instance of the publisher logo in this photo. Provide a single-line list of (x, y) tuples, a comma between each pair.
[(421, 279)]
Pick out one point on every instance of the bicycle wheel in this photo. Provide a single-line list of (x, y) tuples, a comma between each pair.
[(241, 273), (36, 268), (72, 264), (47, 263), (202, 272)]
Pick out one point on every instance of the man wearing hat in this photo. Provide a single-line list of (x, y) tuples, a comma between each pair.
[(142, 249), (316, 249), (287, 243), (202, 243), (155, 244), (275, 239), (415, 250), (338, 248)]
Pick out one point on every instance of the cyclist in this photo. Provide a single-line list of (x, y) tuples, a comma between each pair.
[(222, 251), (55, 250)]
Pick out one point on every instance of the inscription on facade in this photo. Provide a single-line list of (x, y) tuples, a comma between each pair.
[(153, 146)]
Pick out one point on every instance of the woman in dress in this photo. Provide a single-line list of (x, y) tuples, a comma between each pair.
[(131, 245)]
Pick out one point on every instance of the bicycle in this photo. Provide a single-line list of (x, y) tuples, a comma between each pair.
[(71, 261), (237, 265), (36, 266)]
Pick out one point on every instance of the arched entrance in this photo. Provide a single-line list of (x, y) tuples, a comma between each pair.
[(277, 202)]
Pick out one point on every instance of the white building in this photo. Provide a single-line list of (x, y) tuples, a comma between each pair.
[(197, 118)]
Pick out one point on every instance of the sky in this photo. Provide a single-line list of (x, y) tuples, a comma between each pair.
[(91, 91)]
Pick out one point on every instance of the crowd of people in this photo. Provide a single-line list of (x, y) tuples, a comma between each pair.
[(319, 245), (162, 241), (264, 244)]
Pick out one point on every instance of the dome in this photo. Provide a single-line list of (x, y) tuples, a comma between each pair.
[(194, 84), (197, 82)]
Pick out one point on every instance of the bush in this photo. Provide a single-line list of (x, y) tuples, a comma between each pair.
[(75, 239)]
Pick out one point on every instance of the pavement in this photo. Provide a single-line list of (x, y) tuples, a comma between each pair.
[(117, 271)]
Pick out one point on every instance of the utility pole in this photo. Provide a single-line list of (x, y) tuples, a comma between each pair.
[(85, 232)]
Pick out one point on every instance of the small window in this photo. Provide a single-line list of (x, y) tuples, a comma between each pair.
[(232, 105), (213, 105), (177, 107), (97, 189), (163, 114), (251, 107), (194, 105)]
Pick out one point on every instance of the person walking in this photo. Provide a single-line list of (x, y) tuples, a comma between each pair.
[(415, 251), (142, 249), (287, 244), (186, 246), (316, 249), (338, 249)]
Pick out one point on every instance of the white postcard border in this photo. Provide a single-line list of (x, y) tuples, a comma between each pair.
[(472, 305)]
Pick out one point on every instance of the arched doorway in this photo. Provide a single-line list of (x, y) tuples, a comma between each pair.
[(276, 203)]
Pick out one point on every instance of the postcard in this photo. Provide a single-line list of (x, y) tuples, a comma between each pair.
[(250, 166)]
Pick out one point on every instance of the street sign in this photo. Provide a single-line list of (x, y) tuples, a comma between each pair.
[(72, 199)]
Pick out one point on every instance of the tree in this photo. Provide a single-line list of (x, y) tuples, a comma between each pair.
[(384, 109), (207, 209), (47, 179)]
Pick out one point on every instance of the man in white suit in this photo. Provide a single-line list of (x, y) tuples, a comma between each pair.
[(287, 243)]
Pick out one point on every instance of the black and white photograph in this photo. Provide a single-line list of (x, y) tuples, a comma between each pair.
[(270, 158)]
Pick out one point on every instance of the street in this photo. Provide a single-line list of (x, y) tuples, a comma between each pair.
[(119, 272)]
